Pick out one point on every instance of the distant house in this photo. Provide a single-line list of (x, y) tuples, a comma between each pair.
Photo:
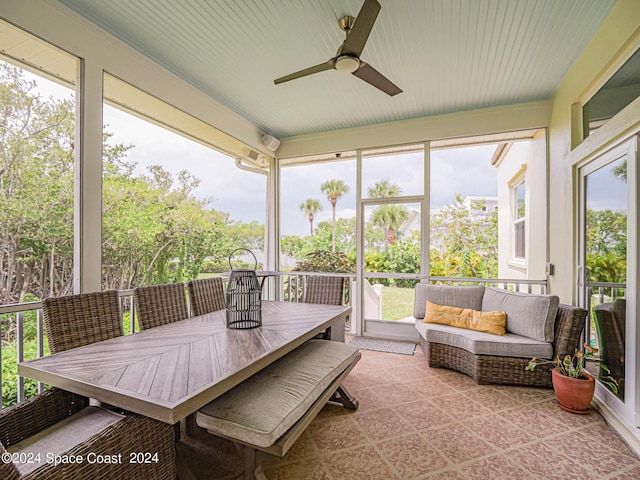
[(481, 206)]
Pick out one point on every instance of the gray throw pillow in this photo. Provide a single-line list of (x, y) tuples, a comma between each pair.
[(461, 297), (530, 315)]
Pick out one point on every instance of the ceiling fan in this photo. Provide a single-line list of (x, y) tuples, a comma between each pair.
[(347, 58)]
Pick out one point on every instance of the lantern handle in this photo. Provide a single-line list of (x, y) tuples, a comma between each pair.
[(246, 250)]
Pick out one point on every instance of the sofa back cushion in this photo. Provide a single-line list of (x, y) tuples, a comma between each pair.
[(529, 315), (462, 297)]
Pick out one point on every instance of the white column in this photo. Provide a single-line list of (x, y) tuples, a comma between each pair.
[(87, 257), (272, 228)]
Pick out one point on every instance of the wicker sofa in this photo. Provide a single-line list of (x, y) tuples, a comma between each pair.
[(537, 325)]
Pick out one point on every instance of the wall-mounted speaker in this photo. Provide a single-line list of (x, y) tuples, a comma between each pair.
[(271, 142)]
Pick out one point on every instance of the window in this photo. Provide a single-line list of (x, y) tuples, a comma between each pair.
[(173, 209), (619, 91), (317, 208), (519, 221), (464, 212), (37, 121)]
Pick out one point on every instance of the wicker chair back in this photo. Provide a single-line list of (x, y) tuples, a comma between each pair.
[(160, 304), (76, 320)]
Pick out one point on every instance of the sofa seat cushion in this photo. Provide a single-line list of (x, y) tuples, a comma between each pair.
[(462, 297), (263, 407), (63, 436), (481, 343), (528, 315)]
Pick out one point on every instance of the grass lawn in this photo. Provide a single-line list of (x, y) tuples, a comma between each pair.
[(208, 275), (397, 303)]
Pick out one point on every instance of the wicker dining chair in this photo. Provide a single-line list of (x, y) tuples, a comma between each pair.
[(57, 423), (328, 290), (76, 320), (610, 330), (206, 295), (160, 304), (60, 423), (321, 289)]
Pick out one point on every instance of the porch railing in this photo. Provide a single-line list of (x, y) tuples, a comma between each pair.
[(285, 286), (14, 318)]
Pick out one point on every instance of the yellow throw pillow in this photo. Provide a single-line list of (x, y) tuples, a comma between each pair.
[(489, 322)]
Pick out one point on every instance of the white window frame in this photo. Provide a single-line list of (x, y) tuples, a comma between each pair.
[(519, 224)]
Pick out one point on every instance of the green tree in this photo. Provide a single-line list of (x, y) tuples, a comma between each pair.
[(341, 234), (310, 207), (36, 187), (155, 231), (405, 258), (606, 245), (293, 246), (334, 190), (464, 244)]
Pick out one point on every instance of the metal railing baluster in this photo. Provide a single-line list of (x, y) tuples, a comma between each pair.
[(20, 351)]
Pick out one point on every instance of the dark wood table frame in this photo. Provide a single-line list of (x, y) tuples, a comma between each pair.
[(169, 372)]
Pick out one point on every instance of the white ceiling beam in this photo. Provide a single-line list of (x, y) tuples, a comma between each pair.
[(523, 116)]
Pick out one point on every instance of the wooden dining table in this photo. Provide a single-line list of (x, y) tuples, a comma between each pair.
[(171, 371)]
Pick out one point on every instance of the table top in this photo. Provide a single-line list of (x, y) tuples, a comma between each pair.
[(170, 371)]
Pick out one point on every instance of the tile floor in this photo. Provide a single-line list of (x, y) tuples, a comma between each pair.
[(416, 422)]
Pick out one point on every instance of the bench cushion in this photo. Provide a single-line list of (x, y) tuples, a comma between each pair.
[(480, 343), (528, 315), (463, 297), (64, 435), (263, 407)]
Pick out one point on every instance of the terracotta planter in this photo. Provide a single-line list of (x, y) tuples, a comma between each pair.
[(574, 394)]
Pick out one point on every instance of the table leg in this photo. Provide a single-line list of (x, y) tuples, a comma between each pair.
[(345, 398)]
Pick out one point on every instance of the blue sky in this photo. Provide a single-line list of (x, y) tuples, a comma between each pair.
[(605, 191)]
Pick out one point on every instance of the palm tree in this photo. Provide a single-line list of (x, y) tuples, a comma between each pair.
[(620, 171), (310, 207), (388, 217), (384, 189), (334, 190)]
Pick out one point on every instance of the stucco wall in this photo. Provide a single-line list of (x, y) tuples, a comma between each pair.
[(600, 59), (532, 154)]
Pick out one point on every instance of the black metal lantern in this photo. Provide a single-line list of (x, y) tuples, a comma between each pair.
[(244, 296)]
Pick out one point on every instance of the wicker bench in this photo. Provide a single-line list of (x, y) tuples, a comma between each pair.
[(269, 411)]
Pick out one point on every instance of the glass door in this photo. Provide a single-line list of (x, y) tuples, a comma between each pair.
[(604, 229)]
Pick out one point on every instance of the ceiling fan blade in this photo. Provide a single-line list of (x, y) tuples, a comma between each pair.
[(359, 33), (307, 71), (373, 77)]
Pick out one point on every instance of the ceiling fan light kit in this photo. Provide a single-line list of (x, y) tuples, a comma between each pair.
[(347, 64), (347, 59)]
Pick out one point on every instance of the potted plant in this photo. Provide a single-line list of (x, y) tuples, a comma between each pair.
[(573, 384)]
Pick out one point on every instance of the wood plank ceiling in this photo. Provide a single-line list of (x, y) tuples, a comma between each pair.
[(447, 55)]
